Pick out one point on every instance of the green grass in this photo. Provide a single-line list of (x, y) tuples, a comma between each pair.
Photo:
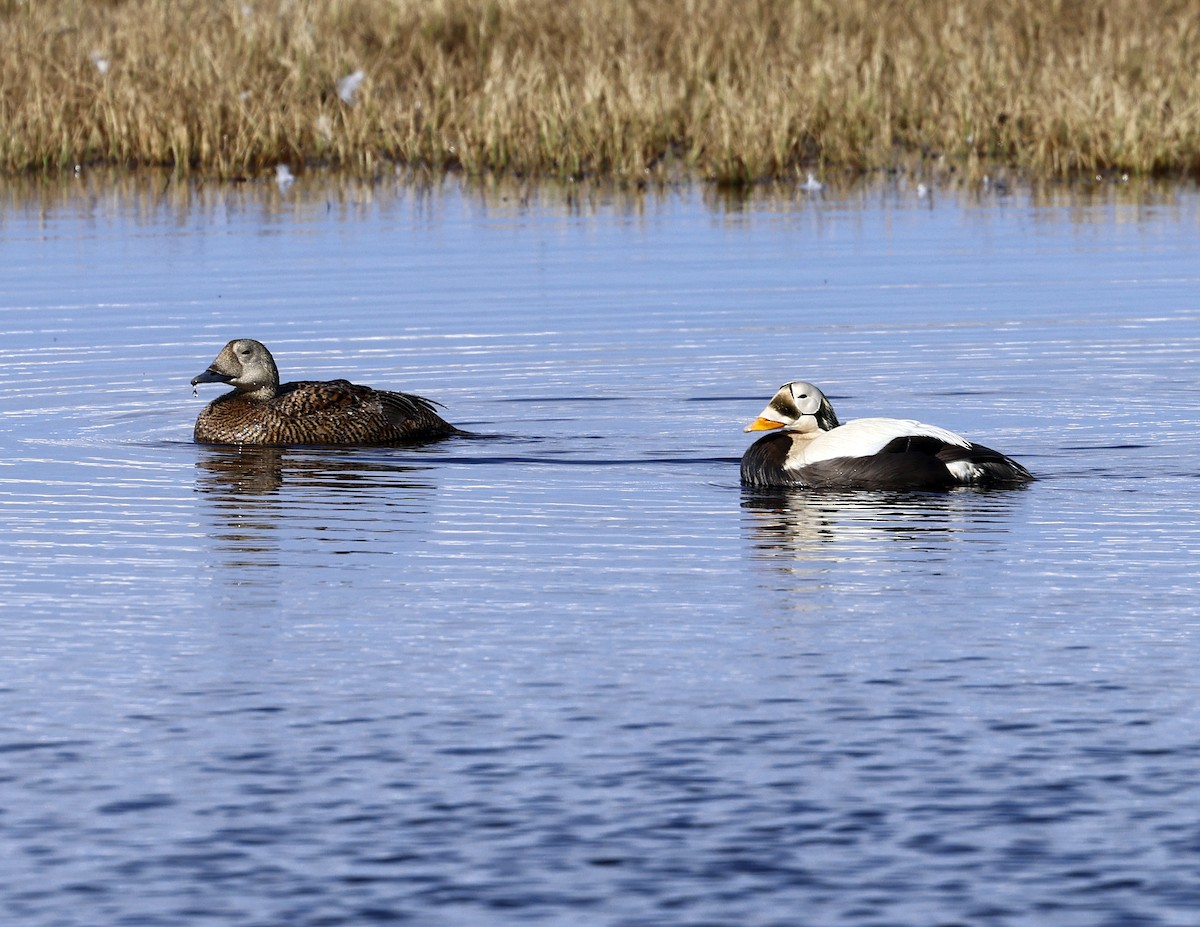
[(728, 90)]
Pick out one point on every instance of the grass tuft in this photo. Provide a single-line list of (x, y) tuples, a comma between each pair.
[(735, 91)]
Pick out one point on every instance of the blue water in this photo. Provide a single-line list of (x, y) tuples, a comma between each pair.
[(567, 670)]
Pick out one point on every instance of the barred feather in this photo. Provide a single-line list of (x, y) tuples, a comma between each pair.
[(261, 411)]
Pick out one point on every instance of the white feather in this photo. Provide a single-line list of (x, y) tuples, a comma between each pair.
[(347, 86), (865, 437), (964, 471)]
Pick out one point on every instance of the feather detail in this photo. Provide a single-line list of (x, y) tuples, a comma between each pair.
[(813, 451), (259, 410), (863, 437)]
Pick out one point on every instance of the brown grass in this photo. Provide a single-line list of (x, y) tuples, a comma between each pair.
[(731, 90)]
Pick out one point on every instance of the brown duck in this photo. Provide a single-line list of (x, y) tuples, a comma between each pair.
[(261, 410)]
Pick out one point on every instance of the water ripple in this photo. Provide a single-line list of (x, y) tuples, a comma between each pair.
[(568, 669)]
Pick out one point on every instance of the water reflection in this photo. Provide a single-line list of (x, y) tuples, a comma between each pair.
[(261, 497), (543, 662), (244, 470), (787, 527), (150, 195)]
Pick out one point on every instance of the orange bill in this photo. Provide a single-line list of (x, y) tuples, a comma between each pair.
[(763, 424)]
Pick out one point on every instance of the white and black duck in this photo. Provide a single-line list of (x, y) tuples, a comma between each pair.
[(810, 448)]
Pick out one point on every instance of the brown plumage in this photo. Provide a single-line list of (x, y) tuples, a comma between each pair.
[(260, 410)]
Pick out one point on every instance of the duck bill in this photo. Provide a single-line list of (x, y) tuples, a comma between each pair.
[(211, 376), (763, 424)]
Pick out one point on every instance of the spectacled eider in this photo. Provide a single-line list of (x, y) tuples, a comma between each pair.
[(811, 449), (260, 410)]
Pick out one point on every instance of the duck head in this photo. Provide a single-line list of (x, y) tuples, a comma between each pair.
[(798, 406), (247, 366)]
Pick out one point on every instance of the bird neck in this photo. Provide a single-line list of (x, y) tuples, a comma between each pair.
[(261, 393)]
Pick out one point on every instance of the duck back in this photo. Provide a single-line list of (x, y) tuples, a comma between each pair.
[(321, 412), (808, 447), (915, 462)]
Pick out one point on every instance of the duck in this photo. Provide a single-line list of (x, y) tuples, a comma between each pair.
[(261, 410), (811, 449)]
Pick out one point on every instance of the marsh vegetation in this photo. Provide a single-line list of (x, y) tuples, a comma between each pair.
[(730, 90)]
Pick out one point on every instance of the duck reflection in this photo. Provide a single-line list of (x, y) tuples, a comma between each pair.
[(261, 496), (791, 525), (240, 470)]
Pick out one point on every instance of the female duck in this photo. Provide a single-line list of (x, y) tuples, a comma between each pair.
[(812, 449), (260, 410)]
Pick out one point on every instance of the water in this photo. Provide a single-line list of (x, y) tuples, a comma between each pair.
[(567, 671)]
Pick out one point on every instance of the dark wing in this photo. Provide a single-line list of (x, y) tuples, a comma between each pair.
[(895, 470), (920, 444), (400, 408), (341, 412), (305, 398), (894, 467), (910, 462), (990, 467)]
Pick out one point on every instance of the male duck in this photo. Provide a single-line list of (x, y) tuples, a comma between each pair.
[(260, 410), (811, 449)]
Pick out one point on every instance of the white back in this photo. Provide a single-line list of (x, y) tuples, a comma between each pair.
[(864, 437)]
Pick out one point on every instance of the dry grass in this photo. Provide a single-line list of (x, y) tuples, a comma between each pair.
[(732, 90)]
